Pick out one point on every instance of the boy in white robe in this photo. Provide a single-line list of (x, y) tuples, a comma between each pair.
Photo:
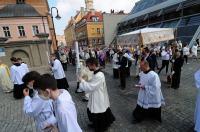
[(17, 71), (41, 110), (150, 97), (99, 112), (59, 73), (65, 111), (197, 109)]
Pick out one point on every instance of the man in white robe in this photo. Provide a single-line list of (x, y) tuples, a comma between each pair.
[(150, 97), (41, 110), (17, 71), (197, 109), (65, 111), (59, 73), (99, 112), (5, 81)]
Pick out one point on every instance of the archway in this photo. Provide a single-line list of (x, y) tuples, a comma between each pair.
[(22, 54)]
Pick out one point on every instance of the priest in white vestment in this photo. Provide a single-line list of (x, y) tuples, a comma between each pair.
[(197, 109), (150, 97), (64, 107), (98, 108), (5, 81)]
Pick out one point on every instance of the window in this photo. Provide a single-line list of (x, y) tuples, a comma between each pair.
[(35, 30), (6, 31), (95, 19), (98, 31), (20, 1), (21, 31)]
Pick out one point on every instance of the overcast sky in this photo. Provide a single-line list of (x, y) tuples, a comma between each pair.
[(68, 8)]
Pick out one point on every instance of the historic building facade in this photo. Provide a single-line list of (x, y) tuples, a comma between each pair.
[(89, 30), (20, 22), (86, 27)]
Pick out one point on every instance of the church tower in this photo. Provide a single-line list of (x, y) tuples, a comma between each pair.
[(89, 5)]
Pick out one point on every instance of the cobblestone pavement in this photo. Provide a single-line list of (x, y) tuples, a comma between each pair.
[(177, 114)]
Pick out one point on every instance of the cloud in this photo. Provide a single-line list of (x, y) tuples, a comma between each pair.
[(117, 5), (67, 6)]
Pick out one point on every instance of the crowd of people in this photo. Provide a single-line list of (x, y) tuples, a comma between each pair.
[(46, 96)]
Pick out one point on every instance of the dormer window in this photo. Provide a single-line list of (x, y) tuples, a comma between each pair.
[(20, 1), (95, 19)]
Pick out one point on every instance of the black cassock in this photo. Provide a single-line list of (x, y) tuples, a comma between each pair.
[(177, 75)]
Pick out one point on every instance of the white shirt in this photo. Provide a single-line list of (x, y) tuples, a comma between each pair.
[(41, 110), (151, 96), (86, 55), (25, 67), (57, 69), (194, 50), (129, 57), (17, 73), (165, 55), (186, 51), (114, 61), (98, 99), (65, 112)]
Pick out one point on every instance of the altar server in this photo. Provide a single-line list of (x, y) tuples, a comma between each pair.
[(150, 97), (64, 107), (41, 110), (59, 73), (17, 71), (98, 108)]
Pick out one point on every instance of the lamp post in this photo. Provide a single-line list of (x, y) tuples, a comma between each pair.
[(58, 18)]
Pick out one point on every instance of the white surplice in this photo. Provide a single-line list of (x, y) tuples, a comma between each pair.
[(151, 96), (17, 73), (65, 113), (41, 110), (98, 99), (197, 109), (57, 69)]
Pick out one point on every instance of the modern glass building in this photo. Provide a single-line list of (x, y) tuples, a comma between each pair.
[(184, 15)]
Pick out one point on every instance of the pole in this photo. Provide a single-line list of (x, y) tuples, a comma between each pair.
[(78, 67)]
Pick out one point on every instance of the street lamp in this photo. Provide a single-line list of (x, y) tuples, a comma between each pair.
[(58, 17)]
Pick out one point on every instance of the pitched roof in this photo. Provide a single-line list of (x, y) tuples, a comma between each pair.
[(18, 10), (90, 14)]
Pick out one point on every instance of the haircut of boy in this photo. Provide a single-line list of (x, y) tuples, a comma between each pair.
[(99, 112), (64, 106), (41, 110)]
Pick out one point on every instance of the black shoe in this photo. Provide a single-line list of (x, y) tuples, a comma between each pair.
[(91, 125), (134, 121)]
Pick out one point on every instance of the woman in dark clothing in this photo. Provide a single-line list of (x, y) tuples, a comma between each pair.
[(176, 75)]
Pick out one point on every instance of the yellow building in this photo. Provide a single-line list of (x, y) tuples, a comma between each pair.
[(89, 30), (70, 28)]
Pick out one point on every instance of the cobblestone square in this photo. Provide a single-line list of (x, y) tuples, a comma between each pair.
[(177, 114)]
